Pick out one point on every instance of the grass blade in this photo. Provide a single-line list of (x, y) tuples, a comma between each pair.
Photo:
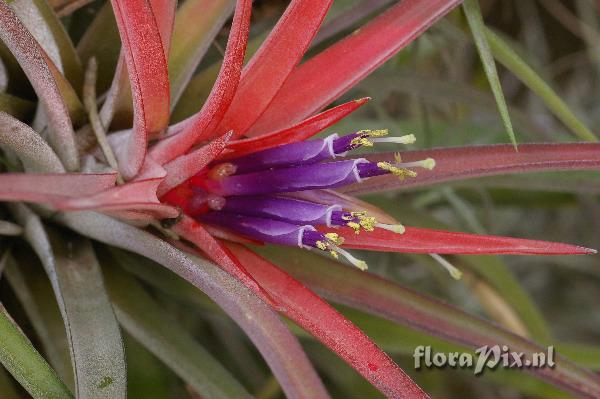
[(475, 21), (507, 57)]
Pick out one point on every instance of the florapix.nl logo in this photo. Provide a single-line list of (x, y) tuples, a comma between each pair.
[(485, 357)]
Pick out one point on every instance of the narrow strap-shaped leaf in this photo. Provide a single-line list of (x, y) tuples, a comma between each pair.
[(331, 328), (26, 365), (323, 78), (9, 229), (66, 7), (94, 338), (147, 68), (34, 62), (269, 68), (507, 57), (278, 346), (7, 387), (376, 295), (483, 160), (196, 25), (32, 287), (302, 131), (50, 33), (28, 145), (101, 41), (200, 126), (119, 104), (475, 20), (160, 333), (16, 106), (51, 189), (427, 241)]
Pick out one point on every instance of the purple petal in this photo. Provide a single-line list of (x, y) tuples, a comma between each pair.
[(284, 209), (269, 230), (306, 177)]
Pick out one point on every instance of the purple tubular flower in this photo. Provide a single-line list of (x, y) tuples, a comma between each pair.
[(284, 209), (247, 194), (269, 230), (303, 177), (307, 152), (300, 153)]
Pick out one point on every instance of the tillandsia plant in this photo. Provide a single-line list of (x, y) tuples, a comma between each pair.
[(87, 176)]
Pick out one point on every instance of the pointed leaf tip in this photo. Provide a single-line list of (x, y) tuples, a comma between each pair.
[(420, 240)]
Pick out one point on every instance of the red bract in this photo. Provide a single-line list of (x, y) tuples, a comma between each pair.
[(273, 100)]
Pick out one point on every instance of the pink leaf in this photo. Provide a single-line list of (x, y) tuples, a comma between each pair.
[(136, 196), (299, 132), (271, 65), (323, 78), (118, 99), (316, 316), (200, 126), (419, 240), (35, 63), (485, 160), (52, 189), (147, 68), (186, 166)]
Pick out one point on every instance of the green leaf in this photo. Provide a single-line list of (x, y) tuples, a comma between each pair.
[(475, 20), (15, 106), (93, 333), (507, 57), (8, 389), (25, 363), (33, 290), (101, 41), (162, 335)]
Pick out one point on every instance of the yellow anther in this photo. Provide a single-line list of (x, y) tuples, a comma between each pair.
[(396, 171), (373, 133), (361, 141), (334, 254), (334, 238), (321, 245), (367, 222), (354, 226)]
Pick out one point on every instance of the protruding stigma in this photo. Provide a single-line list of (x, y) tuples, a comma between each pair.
[(454, 272)]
